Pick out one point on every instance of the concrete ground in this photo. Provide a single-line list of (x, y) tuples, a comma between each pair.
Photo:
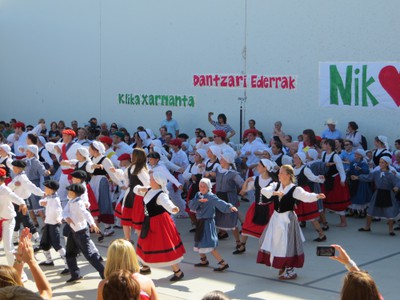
[(320, 278)]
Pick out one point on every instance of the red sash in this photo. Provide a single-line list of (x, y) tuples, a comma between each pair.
[(65, 157)]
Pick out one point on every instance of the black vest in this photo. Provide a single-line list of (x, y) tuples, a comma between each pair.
[(286, 203)]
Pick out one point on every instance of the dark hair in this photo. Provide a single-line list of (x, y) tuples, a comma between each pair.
[(33, 138), (311, 136), (397, 141), (353, 125), (251, 120), (121, 286), (140, 128), (331, 144), (223, 117), (183, 136), (341, 141)]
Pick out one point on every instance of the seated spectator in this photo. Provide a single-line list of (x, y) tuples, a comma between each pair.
[(215, 295), (11, 276), (121, 286), (122, 256), (357, 285)]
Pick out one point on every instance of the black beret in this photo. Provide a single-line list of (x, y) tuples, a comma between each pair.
[(51, 184), (19, 163), (76, 188), (79, 174)]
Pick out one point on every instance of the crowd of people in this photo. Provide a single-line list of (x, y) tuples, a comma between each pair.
[(96, 178)]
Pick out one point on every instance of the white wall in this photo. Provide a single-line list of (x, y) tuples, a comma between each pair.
[(70, 59)]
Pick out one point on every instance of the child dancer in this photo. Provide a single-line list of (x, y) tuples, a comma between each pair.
[(77, 217), (159, 242), (206, 239), (51, 230), (23, 187), (7, 215), (260, 211), (131, 209)]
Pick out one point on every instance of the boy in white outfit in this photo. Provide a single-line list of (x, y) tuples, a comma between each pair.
[(7, 215), (23, 187), (51, 231)]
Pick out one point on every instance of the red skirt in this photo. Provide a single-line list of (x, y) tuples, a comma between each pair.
[(163, 244), (306, 211), (251, 229), (296, 261), (94, 207), (136, 213), (337, 199)]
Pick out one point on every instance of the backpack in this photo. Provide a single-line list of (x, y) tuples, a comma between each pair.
[(364, 143)]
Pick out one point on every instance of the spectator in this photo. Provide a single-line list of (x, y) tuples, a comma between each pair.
[(171, 124), (221, 124), (74, 126), (54, 133), (61, 125), (357, 285), (122, 256), (121, 286), (331, 132), (353, 135), (215, 295), (25, 255)]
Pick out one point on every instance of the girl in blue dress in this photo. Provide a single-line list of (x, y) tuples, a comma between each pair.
[(206, 239)]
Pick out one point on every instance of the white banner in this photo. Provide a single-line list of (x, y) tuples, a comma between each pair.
[(365, 85)]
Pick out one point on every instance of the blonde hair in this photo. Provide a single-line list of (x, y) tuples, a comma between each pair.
[(121, 255), (9, 277), (290, 171)]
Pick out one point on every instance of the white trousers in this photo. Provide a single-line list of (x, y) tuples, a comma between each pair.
[(8, 229)]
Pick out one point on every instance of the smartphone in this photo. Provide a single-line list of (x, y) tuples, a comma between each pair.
[(325, 251)]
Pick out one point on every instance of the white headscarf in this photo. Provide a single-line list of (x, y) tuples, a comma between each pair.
[(207, 182), (84, 152), (161, 180), (384, 140), (34, 149), (7, 149), (99, 146), (302, 157), (268, 164), (202, 153)]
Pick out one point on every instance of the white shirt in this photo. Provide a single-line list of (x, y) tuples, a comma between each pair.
[(123, 176), (8, 197), (338, 162), (162, 199), (71, 152), (160, 167), (180, 159), (53, 209), (309, 174), (76, 210), (252, 147), (26, 188), (20, 143), (298, 192), (122, 148)]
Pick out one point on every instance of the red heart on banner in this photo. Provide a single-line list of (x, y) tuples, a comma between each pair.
[(389, 78)]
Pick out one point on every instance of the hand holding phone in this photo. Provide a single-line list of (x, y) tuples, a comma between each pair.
[(325, 251)]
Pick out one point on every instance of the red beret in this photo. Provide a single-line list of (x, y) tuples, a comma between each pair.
[(176, 142), (220, 133), (69, 132), (252, 131), (318, 138), (125, 156), (106, 140), (2, 172), (19, 124)]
